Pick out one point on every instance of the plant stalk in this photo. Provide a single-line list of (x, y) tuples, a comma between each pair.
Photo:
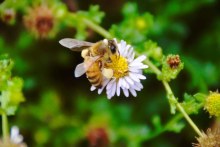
[(170, 92), (5, 127), (97, 28)]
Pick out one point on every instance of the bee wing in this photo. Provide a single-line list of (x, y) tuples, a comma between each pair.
[(75, 45), (83, 67)]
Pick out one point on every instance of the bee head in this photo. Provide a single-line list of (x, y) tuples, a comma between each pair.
[(112, 46)]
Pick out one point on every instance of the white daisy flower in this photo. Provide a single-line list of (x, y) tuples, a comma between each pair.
[(127, 72), (15, 137), (15, 140)]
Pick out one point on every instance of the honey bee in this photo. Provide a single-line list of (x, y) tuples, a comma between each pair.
[(95, 55)]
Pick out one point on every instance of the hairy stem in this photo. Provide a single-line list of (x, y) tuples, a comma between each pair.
[(5, 127), (170, 92), (193, 125), (4, 120)]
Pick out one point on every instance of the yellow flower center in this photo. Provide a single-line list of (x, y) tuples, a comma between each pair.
[(119, 65), (212, 104)]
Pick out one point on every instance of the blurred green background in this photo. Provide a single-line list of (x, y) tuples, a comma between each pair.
[(60, 110)]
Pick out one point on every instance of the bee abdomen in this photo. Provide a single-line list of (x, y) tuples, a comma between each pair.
[(95, 78)]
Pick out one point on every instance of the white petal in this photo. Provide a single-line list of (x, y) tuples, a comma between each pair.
[(126, 51), (92, 88), (120, 82), (109, 85), (133, 92), (104, 84), (123, 44), (134, 77), (113, 90), (130, 52), (134, 69), (136, 64), (124, 83), (138, 85), (14, 131), (140, 58), (118, 90), (129, 80), (126, 93), (133, 56), (137, 88), (15, 136), (140, 76), (143, 66), (119, 48), (109, 97)]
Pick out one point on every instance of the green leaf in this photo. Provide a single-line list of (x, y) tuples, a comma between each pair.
[(92, 14), (134, 27), (201, 97), (130, 9), (153, 51), (156, 122), (176, 127), (191, 104)]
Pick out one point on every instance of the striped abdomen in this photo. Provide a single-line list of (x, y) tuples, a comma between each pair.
[(94, 74)]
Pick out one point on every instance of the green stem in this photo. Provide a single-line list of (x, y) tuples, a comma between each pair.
[(4, 120), (5, 127), (154, 68), (170, 92), (193, 125), (97, 28)]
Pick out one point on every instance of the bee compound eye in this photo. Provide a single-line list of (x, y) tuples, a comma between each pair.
[(113, 48)]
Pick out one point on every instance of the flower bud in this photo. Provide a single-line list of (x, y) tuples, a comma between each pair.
[(40, 21), (209, 139), (212, 104), (171, 67), (98, 137), (173, 61), (8, 16)]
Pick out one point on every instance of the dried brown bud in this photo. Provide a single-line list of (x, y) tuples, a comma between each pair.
[(8, 16), (210, 139), (173, 61), (98, 137), (39, 20)]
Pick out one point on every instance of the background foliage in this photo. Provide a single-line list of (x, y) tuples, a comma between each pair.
[(60, 110)]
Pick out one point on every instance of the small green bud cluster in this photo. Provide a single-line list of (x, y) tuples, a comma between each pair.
[(10, 87), (171, 66)]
